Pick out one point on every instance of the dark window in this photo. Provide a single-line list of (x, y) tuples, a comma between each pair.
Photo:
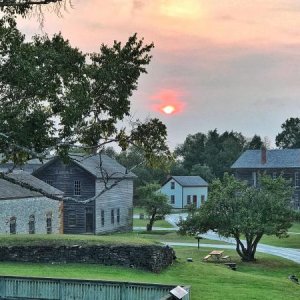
[(112, 216), (49, 222), (77, 188), (172, 199), (118, 215), (102, 217), (13, 225), (188, 199), (72, 218), (31, 224), (172, 185), (202, 198)]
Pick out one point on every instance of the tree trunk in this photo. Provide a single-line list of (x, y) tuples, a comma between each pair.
[(151, 222), (247, 253)]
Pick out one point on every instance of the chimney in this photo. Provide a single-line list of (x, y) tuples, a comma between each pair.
[(263, 155)]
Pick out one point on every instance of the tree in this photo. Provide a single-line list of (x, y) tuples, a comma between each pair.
[(234, 209), (155, 203), (54, 97), (216, 151), (23, 7), (256, 143), (290, 135)]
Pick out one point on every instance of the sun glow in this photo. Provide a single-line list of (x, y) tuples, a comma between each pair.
[(181, 8), (168, 109)]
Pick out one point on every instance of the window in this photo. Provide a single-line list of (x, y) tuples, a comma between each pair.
[(296, 201), (49, 222), (102, 217), (112, 216), (31, 224), (297, 179), (274, 175), (118, 215), (172, 185), (202, 198), (13, 225), (188, 199), (77, 188), (172, 199), (72, 218)]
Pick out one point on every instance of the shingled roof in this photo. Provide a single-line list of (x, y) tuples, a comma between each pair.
[(275, 159), (9, 190), (91, 163), (191, 181)]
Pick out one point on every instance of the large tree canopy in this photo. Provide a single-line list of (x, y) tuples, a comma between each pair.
[(234, 209), (290, 135), (53, 96), (213, 150)]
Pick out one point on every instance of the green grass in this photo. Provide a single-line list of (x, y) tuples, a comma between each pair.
[(295, 228), (293, 241), (171, 236), (68, 240), (144, 222), (265, 279)]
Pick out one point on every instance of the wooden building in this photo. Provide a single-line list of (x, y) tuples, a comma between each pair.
[(84, 178), (272, 162)]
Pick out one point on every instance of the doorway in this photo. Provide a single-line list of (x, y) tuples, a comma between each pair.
[(89, 220)]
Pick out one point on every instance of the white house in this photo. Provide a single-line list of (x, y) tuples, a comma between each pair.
[(185, 190)]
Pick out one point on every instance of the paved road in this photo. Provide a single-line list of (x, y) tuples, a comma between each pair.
[(288, 253)]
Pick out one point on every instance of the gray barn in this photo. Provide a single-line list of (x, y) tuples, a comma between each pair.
[(82, 178)]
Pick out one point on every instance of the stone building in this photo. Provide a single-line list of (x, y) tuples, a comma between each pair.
[(26, 211)]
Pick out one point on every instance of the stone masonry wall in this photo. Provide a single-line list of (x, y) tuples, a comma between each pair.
[(147, 257), (23, 208)]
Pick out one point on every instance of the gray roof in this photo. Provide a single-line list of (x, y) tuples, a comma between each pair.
[(91, 163), (9, 190), (190, 180), (275, 159)]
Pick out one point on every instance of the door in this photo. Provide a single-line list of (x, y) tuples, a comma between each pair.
[(195, 200), (89, 220)]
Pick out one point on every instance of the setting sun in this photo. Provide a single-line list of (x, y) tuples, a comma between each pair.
[(169, 109)]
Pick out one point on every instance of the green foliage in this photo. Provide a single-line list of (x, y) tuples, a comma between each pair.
[(215, 151), (290, 135), (54, 96), (255, 143), (234, 209), (155, 203)]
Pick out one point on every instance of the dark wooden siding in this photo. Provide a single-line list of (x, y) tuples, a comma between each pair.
[(62, 176), (289, 174)]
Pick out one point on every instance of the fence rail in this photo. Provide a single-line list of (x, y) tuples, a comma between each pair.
[(30, 288)]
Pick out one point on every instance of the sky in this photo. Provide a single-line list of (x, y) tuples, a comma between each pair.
[(230, 65)]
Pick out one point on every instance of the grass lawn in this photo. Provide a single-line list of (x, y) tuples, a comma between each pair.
[(66, 239), (293, 241), (158, 223), (266, 279), (295, 228), (171, 236)]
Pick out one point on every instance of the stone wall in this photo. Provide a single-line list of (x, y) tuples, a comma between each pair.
[(147, 257), (23, 208)]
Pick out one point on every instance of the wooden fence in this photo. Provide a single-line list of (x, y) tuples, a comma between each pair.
[(29, 288)]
